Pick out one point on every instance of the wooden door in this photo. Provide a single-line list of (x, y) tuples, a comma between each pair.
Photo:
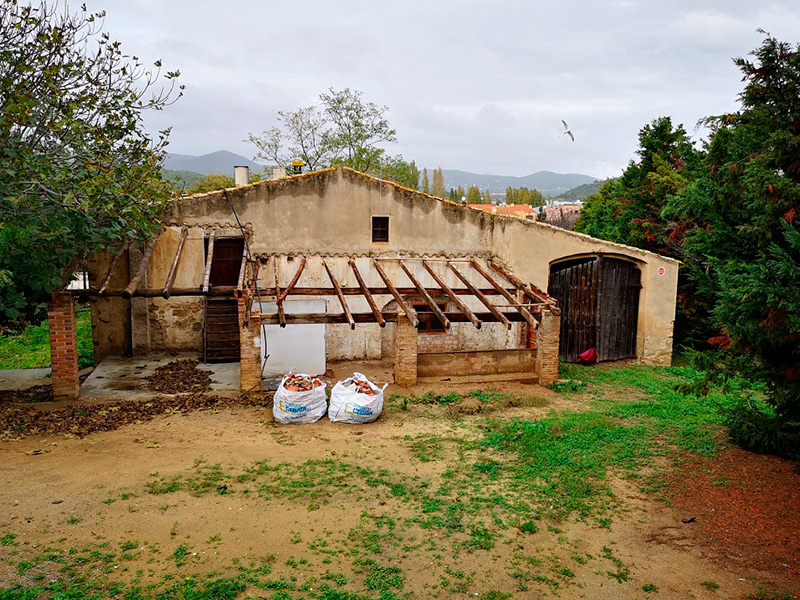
[(599, 299)]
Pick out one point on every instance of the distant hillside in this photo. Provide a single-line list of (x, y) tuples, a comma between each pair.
[(181, 180), (580, 193), (221, 162), (548, 183)]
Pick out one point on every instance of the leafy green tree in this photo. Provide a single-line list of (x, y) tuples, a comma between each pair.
[(78, 173), (474, 195), (628, 210), (212, 183), (304, 133), (438, 188), (524, 196), (742, 242), (394, 168), (426, 182)]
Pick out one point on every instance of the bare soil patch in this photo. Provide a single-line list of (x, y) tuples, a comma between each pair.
[(746, 510)]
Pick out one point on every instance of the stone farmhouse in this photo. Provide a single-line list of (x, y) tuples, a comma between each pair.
[(338, 265)]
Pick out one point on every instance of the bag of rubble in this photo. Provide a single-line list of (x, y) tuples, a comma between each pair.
[(299, 398), (356, 400)]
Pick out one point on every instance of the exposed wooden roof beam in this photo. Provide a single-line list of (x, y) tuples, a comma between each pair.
[(278, 298), (513, 301), (453, 297), (140, 271), (480, 296), (338, 291), (410, 312), (173, 271), (209, 259), (295, 279), (530, 291), (365, 290), (426, 296)]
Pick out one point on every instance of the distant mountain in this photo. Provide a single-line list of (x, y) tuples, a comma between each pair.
[(580, 193), (221, 161), (548, 183)]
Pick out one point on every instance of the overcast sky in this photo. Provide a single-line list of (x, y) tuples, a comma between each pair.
[(473, 85)]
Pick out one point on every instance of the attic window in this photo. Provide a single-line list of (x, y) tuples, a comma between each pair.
[(380, 229)]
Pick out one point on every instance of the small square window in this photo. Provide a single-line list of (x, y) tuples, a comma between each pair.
[(380, 229)]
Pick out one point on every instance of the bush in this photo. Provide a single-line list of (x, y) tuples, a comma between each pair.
[(758, 429)]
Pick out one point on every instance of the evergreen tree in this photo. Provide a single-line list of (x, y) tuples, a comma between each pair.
[(426, 183), (474, 195), (438, 189)]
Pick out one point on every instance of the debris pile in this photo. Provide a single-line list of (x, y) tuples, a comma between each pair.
[(180, 377), (83, 419), (356, 400), (301, 383)]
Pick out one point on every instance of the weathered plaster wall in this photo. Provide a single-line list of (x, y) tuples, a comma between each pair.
[(111, 322)]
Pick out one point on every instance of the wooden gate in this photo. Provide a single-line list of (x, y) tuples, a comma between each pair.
[(599, 299)]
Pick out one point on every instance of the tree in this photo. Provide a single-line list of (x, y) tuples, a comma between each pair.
[(78, 173), (308, 135), (628, 210), (343, 129), (211, 183), (740, 215), (438, 189), (474, 195), (426, 182)]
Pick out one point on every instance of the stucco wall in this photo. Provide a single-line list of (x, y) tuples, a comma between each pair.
[(329, 212)]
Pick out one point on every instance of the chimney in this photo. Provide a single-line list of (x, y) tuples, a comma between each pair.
[(278, 172), (297, 166), (241, 175)]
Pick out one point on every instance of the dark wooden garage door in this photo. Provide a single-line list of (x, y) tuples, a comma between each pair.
[(599, 298)]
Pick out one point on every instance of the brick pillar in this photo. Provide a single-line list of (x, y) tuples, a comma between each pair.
[(63, 346), (405, 351), (249, 347), (547, 339)]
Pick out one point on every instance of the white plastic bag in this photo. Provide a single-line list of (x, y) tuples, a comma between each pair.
[(299, 406), (351, 406)]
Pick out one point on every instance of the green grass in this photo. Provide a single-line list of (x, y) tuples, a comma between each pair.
[(30, 349)]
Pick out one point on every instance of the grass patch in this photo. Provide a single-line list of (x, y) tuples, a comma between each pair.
[(30, 348)]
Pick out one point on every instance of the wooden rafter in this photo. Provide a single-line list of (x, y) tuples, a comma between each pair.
[(453, 297), (242, 273), (209, 259), (338, 291), (278, 299), (368, 317), (140, 271), (173, 271), (410, 312), (530, 291), (513, 301), (480, 296), (110, 272), (365, 290), (426, 296), (294, 280)]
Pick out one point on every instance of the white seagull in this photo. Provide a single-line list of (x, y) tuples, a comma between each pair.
[(567, 130)]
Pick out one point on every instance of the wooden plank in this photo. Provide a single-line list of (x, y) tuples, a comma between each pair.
[(410, 312), (173, 271), (426, 296), (530, 290), (219, 290), (294, 280), (511, 299), (111, 268), (278, 300), (242, 273), (369, 317), (382, 291), (453, 297), (134, 283), (365, 290), (209, 259), (338, 291), (480, 296)]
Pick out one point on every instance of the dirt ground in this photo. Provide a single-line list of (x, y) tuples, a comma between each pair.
[(62, 492)]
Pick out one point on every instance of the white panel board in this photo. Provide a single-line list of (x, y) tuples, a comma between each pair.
[(298, 347)]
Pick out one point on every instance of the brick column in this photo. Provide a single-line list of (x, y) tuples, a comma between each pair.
[(63, 346), (249, 347), (405, 351), (547, 339)]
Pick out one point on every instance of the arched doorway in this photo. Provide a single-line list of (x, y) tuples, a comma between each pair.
[(599, 299)]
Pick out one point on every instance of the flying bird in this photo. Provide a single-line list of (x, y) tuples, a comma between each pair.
[(567, 130)]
